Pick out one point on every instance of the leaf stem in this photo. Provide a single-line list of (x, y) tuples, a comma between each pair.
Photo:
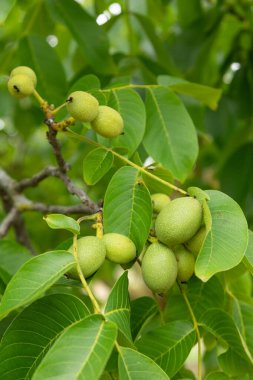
[(83, 281), (127, 86), (195, 324), (87, 217), (128, 162)]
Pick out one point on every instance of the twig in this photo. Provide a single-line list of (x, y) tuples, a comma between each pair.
[(8, 222), (49, 171), (58, 209), (51, 136), (63, 168)]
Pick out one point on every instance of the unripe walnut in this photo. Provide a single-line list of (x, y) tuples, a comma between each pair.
[(185, 263), (159, 268), (178, 221), (25, 70), (82, 106), (159, 201), (195, 243), (20, 86), (91, 252), (108, 122), (119, 248)]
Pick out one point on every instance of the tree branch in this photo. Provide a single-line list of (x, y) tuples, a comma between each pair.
[(8, 221), (63, 168), (49, 171)]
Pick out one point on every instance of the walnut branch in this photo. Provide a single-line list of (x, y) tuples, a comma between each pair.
[(8, 221), (49, 171), (63, 169), (15, 202)]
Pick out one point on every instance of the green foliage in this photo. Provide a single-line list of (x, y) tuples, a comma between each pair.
[(127, 195), (179, 74)]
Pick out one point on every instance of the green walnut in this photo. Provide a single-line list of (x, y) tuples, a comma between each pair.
[(108, 122), (82, 106), (195, 243), (119, 248), (20, 86), (159, 268), (91, 252), (159, 201), (25, 70), (178, 221), (185, 264)]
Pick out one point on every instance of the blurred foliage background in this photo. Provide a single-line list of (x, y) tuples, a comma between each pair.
[(204, 41)]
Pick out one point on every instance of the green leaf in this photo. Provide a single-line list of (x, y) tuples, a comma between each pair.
[(227, 240), (81, 352), (85, 31), (142, 310), (207, 95), (168, 345), (117, 309), (248, 258), (6, 6), (162, 54), (170, 136), (86, 83), (130, 106), (91, 84), (204, 296), (63, 222), (217, 375), (33, 332), (13, 255), (96, 164), (136, 366), (127, 206), (37, 54), (233, 364), (34, 278), (220, 324), (153, 185), (247, 318)]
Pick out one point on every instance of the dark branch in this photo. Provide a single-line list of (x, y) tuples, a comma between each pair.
[(49, 171), (58, 209), (63, 168)]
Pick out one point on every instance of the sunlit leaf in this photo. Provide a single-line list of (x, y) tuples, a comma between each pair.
[(34, 278)]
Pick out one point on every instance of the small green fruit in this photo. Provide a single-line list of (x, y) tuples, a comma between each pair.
[(82, 106), (25, 70), (20, 86), (119, 248), (159, 201), (195, 243), (185, 264), (159, 268), (108, 122), (178, 221), (91, 252)]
